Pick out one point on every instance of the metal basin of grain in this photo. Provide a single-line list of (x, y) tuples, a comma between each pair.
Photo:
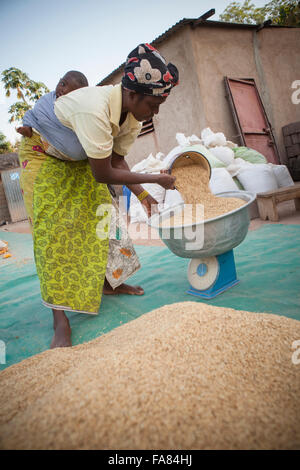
[(220, 234), (214, 235)]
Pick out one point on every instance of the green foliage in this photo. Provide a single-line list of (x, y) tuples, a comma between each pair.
[(281, 12), (236, 12), (28, 91), (5, 146), (17, 111), (285, 13)]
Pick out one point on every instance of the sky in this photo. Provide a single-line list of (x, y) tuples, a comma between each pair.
[(46, 38)]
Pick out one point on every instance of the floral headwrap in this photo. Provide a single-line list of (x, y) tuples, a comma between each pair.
[(146, 72)]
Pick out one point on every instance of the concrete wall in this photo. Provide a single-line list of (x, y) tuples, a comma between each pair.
[(182, 110), (221, 52), (270, 56), (279, 52), (204, 55)]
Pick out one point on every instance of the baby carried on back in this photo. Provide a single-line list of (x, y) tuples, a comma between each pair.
[(59, 141)]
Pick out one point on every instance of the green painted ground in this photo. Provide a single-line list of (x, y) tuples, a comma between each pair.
[(267, 263)]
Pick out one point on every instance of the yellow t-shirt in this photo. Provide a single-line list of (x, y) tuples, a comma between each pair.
[(93, 113)]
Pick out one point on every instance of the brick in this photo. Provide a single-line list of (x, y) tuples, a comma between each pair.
[(288, 141), (293, 151), (294, 163), (295, 174), (292, 128), (295, 138)]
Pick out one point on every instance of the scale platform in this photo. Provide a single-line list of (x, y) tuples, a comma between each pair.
[(209, 277)]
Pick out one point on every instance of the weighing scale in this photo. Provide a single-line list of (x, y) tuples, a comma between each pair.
[(211, 269), (211, 276)]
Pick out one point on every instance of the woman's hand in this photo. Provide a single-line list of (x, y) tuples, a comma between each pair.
[(25, 131), (150, 205), (166, 180)]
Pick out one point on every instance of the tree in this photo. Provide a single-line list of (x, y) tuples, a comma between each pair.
[(285, 13), (28, 91), (243, 13), (280, 12), (5, 146)]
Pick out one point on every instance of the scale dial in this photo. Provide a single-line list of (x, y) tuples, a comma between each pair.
[(203, 272)]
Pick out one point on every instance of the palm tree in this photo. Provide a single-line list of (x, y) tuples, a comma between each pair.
[(28, 91), (15, 79)]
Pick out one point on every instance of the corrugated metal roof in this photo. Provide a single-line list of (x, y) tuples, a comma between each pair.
[(193, 22)]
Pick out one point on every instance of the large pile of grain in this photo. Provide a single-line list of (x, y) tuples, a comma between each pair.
[(192, 181), (185, 376)]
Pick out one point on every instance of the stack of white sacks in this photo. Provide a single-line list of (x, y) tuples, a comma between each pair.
[(233, 168)]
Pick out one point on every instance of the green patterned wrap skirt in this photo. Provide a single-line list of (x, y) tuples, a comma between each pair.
[(63, 202)]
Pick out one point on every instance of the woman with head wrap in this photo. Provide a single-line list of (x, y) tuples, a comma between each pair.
[(147, 73), (79, 254)]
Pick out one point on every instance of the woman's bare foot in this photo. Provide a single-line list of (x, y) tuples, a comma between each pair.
[(62, 330), (122, 289)]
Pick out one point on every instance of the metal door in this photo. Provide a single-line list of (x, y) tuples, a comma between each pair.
[(14, 198), (254, 128)]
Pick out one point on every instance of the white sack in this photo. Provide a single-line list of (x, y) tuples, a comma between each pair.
[(154, 165), (221, 181), (150, 164), (212, 139), (182, 139), (224, 154), (257, 178), (230, 144), (172, 198), (282, 175), (238, 163), (206, 133), (136, 210), (193, 139), (160, 156), (139, 167)]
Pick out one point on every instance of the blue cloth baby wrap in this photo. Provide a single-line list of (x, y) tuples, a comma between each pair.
[(43, 119)]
